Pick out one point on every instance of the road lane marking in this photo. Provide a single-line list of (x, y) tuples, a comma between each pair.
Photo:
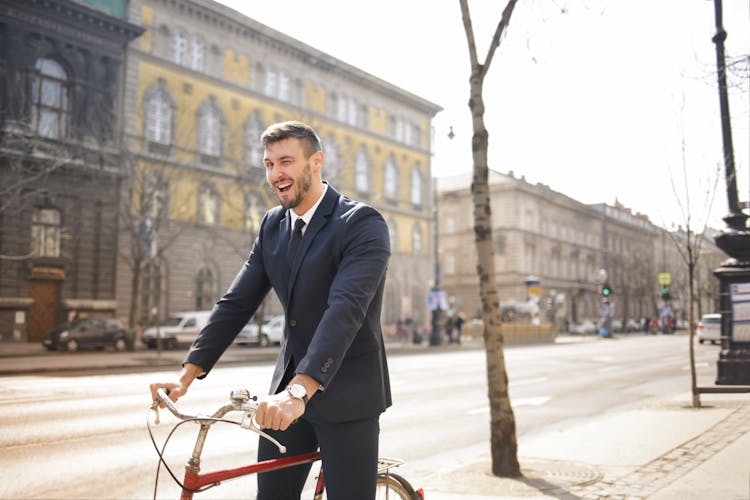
[(516, 383), (532, 401)]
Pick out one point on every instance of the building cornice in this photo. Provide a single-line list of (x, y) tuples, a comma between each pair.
[(245, 27), (66, 18)]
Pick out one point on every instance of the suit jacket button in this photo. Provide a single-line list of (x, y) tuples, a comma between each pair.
[(327, 365), (292, 323)]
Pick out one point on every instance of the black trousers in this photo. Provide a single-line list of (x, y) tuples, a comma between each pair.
[(349, 452)]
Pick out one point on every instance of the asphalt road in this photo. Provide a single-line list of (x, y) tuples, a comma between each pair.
[(74, 437)]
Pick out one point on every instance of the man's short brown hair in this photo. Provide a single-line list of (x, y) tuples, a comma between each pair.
[(297, 129)]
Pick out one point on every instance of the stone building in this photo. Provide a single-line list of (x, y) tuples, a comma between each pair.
[(550, 248), (203, 83), (61, 64)]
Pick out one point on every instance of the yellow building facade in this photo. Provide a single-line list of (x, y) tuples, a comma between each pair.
[(203, 82)]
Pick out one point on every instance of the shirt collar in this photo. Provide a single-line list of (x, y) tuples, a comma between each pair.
[(307, 216)]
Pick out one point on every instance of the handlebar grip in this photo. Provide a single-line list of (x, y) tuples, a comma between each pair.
[(164, 398)]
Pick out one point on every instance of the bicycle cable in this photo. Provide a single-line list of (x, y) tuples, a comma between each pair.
[(160, 453)]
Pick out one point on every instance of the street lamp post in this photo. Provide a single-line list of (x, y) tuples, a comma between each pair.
[(733, 367)]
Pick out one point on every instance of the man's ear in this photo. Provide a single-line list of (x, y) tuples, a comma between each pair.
[(317, 159)]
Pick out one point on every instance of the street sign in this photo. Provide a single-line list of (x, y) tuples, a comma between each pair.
[(437, 299), (665, 278)]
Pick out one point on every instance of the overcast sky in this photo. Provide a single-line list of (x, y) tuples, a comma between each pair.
[(599, 99)]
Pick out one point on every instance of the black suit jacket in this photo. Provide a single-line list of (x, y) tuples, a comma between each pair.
[(332, 295)]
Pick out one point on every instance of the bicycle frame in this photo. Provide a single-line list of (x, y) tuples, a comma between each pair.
[(195, 480), (241, 400)]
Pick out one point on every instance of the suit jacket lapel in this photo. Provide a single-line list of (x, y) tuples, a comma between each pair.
[(318, 221)]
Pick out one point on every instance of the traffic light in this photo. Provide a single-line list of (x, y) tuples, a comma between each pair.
[(665, 292), (606, 290)]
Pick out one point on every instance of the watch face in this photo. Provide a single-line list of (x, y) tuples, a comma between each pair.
[(298, 391)]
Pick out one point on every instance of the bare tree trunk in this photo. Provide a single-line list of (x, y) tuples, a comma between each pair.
[(504, 447)]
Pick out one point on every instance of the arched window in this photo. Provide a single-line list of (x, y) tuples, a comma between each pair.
[(254, 210), (254, 127), (209, 129), (157, 121), (208, 205), (416, 240), (362, 171), (45, 232), (179, 48), (390, 180), (50, 106), (416, 186), (205, 289)]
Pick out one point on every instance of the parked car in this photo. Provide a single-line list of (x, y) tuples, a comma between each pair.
[(178, 329), (271, 332), (88, 333), (709, 328)]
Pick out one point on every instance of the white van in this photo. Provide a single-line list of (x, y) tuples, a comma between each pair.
[(178, 329)]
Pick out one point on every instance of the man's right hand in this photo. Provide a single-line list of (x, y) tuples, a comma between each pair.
[(177, 389)]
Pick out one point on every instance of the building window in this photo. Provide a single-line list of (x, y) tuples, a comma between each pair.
[(416, 186), (179, 48), (49, 99), (393, 235), (253, 213), (208, 205), (272, 82), (332, 104), (205, 285), (154, 194), (285, 87), (254, 127), (258, 78), (390, 180), (215, 62), (45, 232), (198, 55), (298, 92), (158, 118), (150, 288), (450, 264), (333, 163), (362, 171), (209, 131), (416, 240)]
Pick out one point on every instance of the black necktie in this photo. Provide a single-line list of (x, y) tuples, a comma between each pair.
[(291, 250)]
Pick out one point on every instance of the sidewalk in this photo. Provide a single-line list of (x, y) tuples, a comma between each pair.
[(665, 450)]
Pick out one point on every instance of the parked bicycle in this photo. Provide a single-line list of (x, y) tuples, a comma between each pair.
[(389, 485)]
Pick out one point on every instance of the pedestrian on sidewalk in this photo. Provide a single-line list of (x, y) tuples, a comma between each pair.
[(325, 256)]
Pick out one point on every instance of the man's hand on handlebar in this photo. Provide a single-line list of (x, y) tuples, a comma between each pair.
[(177, 389), (278, 411)]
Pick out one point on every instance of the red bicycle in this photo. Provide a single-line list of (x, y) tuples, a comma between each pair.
[(389, 486)]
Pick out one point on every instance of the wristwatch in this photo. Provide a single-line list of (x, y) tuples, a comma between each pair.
[(298, 391)]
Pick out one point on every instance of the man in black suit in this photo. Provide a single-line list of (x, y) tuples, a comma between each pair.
[(326, 257)]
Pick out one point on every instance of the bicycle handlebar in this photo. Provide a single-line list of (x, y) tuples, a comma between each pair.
[(240, 400)]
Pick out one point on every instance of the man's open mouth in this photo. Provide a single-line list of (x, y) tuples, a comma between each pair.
[(283, 186)]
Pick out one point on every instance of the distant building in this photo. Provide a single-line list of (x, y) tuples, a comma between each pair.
[(562, 244), (203, 82), (61, 64)]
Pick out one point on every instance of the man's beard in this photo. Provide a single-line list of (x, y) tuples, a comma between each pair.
[(302, 186)]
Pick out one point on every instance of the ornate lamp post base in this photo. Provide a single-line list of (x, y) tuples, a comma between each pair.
[(733, 366)]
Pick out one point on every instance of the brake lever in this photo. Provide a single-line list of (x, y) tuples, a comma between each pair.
[(248, 422)]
